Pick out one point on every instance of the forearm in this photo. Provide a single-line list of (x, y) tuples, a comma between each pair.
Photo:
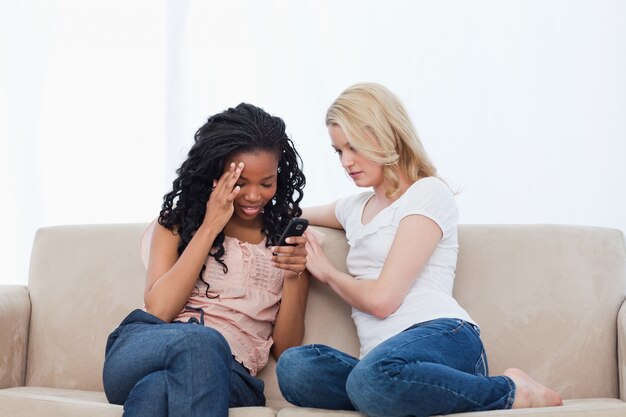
[(322, 216), (169, 293), (367, 295), (289, 325)]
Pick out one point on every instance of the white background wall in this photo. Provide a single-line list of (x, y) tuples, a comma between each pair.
[(521, 104)]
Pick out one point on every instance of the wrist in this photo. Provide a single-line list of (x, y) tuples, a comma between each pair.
[(207, 232), (327, 275)]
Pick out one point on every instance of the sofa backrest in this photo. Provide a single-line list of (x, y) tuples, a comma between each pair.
[(83, 281), (546, 298)]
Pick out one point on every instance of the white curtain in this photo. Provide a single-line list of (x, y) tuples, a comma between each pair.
[(521, 104), (82, 117)]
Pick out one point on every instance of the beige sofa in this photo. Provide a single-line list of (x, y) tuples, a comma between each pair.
[(548, 298)]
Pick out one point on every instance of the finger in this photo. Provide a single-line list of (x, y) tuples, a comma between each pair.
[(289, 259), (296, 240), (227, 175), (296, 256), (236, 172), (313, 241), (228, 189), (233, 175), (223, 189), (312, 236), (218, 184), (313, 248), (286, 250), (297, 268), (295, 244), (233, 194)]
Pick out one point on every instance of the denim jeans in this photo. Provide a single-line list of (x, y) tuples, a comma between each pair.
[(435, 367), (164, 369)]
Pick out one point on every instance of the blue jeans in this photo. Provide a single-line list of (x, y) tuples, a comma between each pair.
[(164, 369), (436, 367)]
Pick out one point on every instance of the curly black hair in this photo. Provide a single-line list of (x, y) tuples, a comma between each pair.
[(245, 128)]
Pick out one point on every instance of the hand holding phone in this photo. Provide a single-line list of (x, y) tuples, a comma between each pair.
[(296, 227)]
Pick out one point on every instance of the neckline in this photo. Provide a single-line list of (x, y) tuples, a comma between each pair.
[(377, 214), (393, 204), (262, 242)]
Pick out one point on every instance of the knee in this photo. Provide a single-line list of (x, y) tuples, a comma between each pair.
[(358, 381), (151, 388), (291, 364), (200, 341), (294, 369), (366, 386), (149, 397)]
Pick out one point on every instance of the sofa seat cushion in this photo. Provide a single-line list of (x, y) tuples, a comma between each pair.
[(595, 407), (55, 402)]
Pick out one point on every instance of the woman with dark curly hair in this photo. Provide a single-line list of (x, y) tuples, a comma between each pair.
[(219, 292)]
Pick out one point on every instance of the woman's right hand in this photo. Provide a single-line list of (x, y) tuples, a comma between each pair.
[(171, 278), (219, 207), (316, 261)]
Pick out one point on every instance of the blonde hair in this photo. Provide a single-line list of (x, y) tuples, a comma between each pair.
[(377, 125)]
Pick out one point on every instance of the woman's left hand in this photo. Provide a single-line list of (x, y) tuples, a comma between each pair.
[(292, 259)]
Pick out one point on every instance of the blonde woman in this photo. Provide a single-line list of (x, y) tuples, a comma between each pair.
[(421, 352)]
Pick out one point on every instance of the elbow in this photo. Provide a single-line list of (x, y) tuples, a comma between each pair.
[(285, 339), (277, 351), (160, 313), (382, 308), (278, 348), (382, 313)]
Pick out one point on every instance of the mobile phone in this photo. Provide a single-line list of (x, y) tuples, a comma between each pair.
[(296, 227)]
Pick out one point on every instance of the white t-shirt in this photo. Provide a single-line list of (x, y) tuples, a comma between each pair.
[(430, 297)]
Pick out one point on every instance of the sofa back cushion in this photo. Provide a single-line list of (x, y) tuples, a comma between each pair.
[(546, 298), (83, 281)]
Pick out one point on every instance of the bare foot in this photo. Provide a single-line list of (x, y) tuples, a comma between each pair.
[(529, 393)]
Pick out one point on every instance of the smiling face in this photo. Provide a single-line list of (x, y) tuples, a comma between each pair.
[(257, 182), (364, 172)]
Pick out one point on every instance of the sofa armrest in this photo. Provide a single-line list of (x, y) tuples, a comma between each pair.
[(14, 322), (621, 349)]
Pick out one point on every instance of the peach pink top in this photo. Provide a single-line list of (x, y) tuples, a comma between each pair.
[(242, 303)]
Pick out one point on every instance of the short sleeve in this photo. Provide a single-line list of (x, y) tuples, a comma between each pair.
[(146, 241), (432, 198)]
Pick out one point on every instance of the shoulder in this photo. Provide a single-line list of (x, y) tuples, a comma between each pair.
[(428, 192), (430, 186), (430, 197), (157, 236)]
